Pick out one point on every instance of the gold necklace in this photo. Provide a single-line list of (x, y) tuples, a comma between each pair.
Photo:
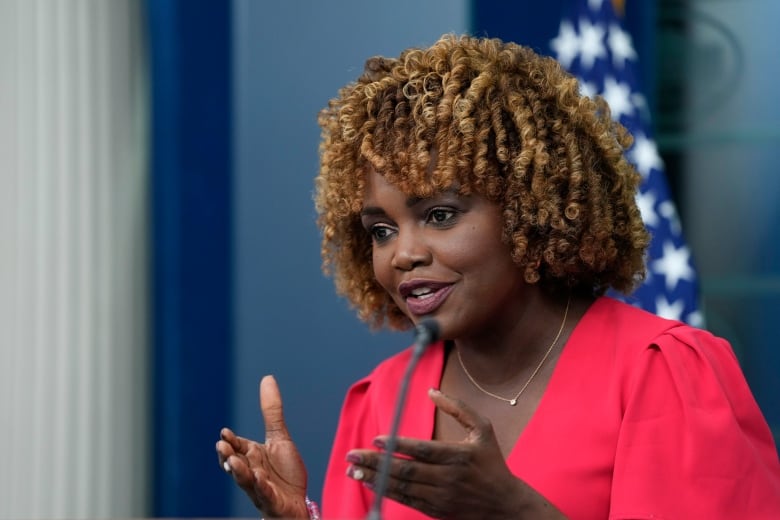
[(513, 401)]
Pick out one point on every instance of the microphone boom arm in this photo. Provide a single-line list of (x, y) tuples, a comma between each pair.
[(426, 333)]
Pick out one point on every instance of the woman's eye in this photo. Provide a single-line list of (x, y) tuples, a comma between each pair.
[(379, 232), (440, 215)]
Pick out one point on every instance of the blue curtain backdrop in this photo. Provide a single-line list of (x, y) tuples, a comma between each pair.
[(191, 84)]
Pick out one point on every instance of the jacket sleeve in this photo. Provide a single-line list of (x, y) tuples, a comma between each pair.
[(693, 442)]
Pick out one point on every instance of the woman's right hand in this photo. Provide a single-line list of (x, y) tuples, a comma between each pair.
[(272, 474)]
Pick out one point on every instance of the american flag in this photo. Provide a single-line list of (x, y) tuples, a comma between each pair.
[(593, 45)]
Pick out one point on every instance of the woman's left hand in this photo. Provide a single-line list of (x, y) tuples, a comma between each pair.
[(466, 479)]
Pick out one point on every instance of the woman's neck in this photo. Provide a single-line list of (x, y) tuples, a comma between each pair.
[(517, 341)]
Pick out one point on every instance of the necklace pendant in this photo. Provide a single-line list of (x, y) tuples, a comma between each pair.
[(513, 402)]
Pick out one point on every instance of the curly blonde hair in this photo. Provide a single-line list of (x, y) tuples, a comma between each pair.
[(502, 122)]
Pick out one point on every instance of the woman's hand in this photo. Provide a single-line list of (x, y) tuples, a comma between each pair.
[(467, 479), (271, 474)]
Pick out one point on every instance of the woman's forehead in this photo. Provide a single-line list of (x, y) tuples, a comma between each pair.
[(376, 182)]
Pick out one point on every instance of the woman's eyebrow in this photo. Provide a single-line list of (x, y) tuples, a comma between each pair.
[(371, 210), (410, 202), (452, 190)]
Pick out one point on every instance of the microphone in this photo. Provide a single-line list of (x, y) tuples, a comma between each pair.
[(426, 332)]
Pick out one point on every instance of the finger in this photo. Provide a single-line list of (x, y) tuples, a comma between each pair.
[(271, 406), (239, 444), (476, 426), (402, 468), (227, 435), (229, 458), (418, 495), (431, 452), (254, 481), (224, 451), (241, 472)]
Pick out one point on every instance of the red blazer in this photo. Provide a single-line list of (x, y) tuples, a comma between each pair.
[(642, 418)]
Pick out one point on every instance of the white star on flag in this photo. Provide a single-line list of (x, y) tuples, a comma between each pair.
[(591, 43), (602, 56), (588, 89), (670, 310), (566, 45), (620, 45), (640, 103), (667, 210), (674, 265), (646, 203), (644, 154), (618, 96)]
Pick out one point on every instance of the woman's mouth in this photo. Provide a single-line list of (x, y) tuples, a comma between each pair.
[(424, 298)]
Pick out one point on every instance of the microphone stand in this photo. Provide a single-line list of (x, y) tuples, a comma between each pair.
[(427, 332)]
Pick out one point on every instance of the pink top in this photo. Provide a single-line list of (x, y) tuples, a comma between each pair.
[(642, 418)]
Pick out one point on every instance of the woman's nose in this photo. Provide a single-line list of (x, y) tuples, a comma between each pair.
[(410, 251)]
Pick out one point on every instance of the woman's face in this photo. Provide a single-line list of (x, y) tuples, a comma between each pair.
[(442, 257)]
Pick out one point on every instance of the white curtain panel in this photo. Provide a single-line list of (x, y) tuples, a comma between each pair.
[(73, 275)]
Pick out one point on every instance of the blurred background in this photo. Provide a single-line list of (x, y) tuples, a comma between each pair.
[(158, 250)]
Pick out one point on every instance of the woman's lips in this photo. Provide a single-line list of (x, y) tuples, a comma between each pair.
[(429, 302)]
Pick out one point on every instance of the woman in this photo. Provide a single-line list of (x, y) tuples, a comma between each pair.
[(471, 183)]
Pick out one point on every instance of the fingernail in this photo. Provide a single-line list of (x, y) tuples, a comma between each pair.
[(433, 391), (354, 457), (355, 473), (226, 467), (379, 443)]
